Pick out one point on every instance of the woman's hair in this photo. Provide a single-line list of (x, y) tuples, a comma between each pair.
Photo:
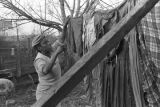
[(36, 48)]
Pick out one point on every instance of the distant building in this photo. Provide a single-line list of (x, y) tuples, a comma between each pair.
[(5, 27)]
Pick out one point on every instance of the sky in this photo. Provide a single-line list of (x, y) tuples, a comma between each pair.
[(39, 6)]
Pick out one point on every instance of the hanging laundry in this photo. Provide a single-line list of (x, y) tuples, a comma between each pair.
[(150, 26), (149, 37), (150, 74), (76, 24), (73, 41), (74, 35), (116, 83), (136, 76), (111, 78), (89, 35)]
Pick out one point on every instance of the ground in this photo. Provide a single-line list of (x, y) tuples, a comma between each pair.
[(24, 96)]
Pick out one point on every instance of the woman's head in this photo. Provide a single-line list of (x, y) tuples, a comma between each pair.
[(41, 44)]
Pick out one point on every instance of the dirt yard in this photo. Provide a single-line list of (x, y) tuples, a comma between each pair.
[(25, 97)]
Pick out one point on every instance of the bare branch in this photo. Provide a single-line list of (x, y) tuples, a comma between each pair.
[(21, 13), (73, 8), (84, 3), (15, 26), (51, 13), (23, 8), (8, 13), (78, 8), (117, 3), (107, 4), (68, 6), (103, 7), (62, 10), (87, 5), (91, 6), (7, 19), (46, 30), (35, 12), (40, 9), (57, 12)]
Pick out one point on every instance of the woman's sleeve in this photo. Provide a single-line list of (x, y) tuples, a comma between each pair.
[(39, 65)]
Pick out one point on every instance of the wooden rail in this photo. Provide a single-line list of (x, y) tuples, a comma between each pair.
[(9, 72), (78, 71)]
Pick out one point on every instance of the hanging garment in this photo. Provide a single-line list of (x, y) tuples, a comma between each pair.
[(73, 41), (76, 25), (116, 88), (112, 95), (150, 73), (74, 35), (89, 35), (135, 69), (150, 26), (88, 39), (149, 31)]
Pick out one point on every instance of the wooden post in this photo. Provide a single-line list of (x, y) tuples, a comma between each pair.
[(18, 54), (1, 62), (77, 72)]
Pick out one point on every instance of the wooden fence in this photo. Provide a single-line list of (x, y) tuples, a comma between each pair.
[(10, 56)]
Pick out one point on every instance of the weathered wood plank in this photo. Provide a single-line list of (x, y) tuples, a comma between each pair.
[(95, 55)]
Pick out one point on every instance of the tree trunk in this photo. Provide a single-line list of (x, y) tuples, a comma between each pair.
[(63, 14)]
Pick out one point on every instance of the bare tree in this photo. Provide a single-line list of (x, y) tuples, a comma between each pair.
[(56, 9)]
